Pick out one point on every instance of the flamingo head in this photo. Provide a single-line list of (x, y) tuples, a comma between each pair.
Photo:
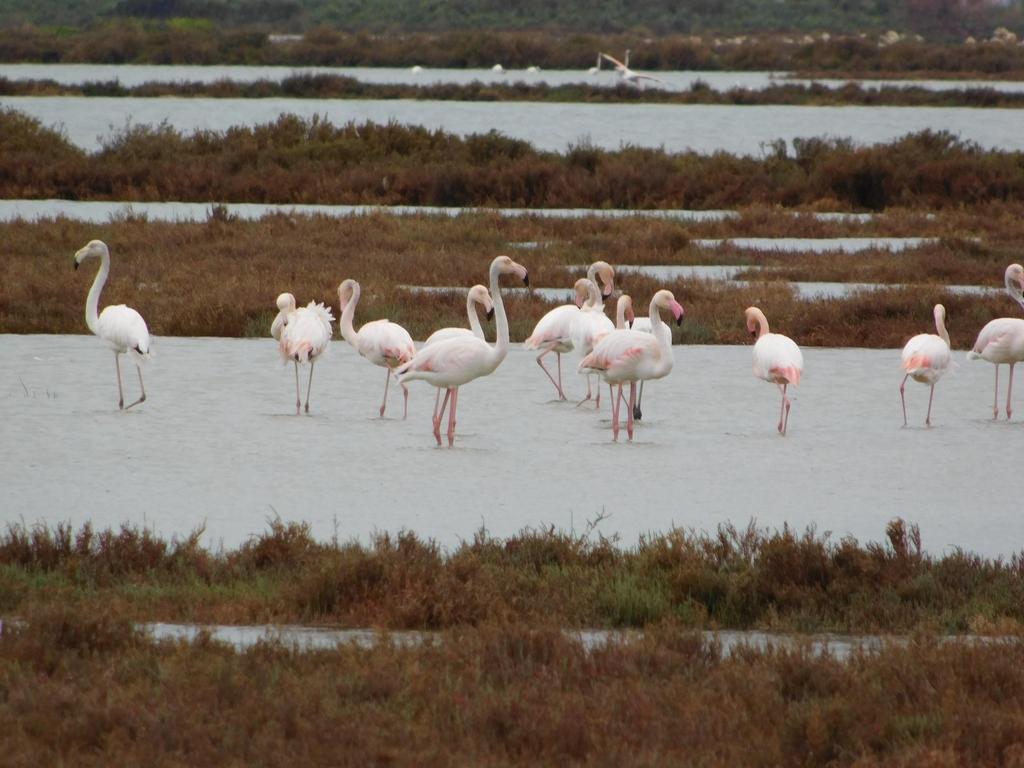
[(1014, 282), (582, 291), (347, 291), (603, 270), (286, 302), (482, 296), (664, 299), (757, 323), (624, 308), (506, 266), (940, 314), (92, 249)]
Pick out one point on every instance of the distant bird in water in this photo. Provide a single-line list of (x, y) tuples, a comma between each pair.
[(925, 359), (453, 362), (303, 336), (498, 69), (381, 342), (121, 327), (533, 69), (777, 359), (625, 355), (416, 69), (626, 74), (1002, 340)]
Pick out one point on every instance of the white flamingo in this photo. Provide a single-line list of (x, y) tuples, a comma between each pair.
[(457, 361), (627, 355), (626, 74), (304, 335), (553, 332), (925, 359), (777, 360), (381, 342), (1002, 340), (478, 294), (285, 306), (121, 327), (590, 325)]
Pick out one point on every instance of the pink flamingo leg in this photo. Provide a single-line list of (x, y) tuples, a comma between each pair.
[(615, 415), (451, 417), (995, 397), (784, 414), (385, 402), (438, 415), (298, 401), (597, 405), (928, 418), (540, 362), (405, 392), (120, 387), (437, 401), (309, 386), (1009, 391), (903, 399), (589, 393), (632, 405)]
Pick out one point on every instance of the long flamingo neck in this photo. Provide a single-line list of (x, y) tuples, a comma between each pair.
[(594, 300), (762, 324), (92, 301), (940, 326), (348, 332), (620, 315), (660, 330), (501, 344), (474, 318), (1015, 292)]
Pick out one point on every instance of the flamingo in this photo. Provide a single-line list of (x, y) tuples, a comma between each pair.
[(303, 337), (627, 355), (925, 359), (642, 324), (456, 361), (1002, 340), (478, 294), (589, 326), (121, 327), (498, 69), (777, 359), (553, 332), (381, 342), (626, 74), (285, 306)]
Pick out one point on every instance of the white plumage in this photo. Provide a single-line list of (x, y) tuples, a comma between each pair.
[(777, 359), (303, 336), (121, 327), (1002, 340), (925, 359)]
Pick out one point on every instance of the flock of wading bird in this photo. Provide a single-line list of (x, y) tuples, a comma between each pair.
[(630, 351)]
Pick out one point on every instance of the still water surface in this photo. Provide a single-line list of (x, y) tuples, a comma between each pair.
[(699, 127), (137, 74), (217, 444)]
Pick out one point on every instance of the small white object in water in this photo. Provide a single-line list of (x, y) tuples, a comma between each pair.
[(498, 68)]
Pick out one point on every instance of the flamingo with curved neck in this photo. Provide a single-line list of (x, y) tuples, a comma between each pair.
[(625, 355), (1002, 340), (554, 331), (590, 325), (478, 295), (121, 327), (303, 335), (777, 360), (285, 306), (453, 362), (381, 342), (925, 359)]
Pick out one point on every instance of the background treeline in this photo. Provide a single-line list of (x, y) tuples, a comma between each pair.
[(187, 41), (297, 160), (932, 17), (322, 86)]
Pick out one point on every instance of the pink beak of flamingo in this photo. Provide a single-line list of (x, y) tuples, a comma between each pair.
[(608, 288), (677, 312)]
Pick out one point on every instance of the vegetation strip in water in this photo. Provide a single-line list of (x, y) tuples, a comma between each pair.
[(731, 578), (323, 86), (171, 272), (180, 42), (81, 686), (297, 160)]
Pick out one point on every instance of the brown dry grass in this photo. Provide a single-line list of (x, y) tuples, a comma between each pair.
[(85, 689), (220, 277), (297, 160), (733, 578)]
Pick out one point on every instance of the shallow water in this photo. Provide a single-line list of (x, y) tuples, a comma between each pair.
[(306, 638), (137, 74), (217, 444), (816, 244), (548, 126)]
